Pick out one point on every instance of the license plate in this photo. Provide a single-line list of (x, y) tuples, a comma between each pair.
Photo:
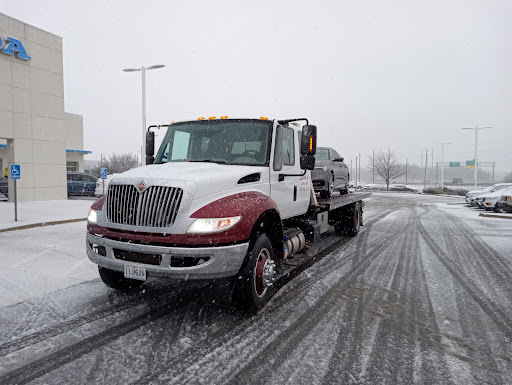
[(135, 272)]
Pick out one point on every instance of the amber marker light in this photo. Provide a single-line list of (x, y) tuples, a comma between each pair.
[(201, 118), (223, 117), (211, 117), (263, 118), (310, 144)]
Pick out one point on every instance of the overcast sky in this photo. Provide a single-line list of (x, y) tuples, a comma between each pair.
[(370, 74)]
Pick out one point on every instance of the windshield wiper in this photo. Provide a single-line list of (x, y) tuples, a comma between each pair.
[(207, 161)]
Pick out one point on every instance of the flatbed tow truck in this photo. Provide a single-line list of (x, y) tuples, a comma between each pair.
[(224, 198)]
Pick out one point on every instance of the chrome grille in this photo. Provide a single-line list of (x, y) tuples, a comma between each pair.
[(157, 206)]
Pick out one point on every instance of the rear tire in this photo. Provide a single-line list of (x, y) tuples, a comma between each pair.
[(354, 219), (116, 280), (253, 285)]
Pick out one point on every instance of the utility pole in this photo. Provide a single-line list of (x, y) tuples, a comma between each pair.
[(426, 163), (476, 148), (351, 169), (359, 168), (442, 163), (432, 157), (492, 172), (358, 156)]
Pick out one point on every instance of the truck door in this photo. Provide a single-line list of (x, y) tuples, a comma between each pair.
[(292, 193)]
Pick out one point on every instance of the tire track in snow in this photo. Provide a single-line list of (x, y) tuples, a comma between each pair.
[(186, 370), (495, 313)]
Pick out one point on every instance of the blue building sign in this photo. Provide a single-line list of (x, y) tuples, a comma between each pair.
[(14, 48)]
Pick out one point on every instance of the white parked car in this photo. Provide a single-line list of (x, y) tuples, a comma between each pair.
[(99, 185), (470, 196), (488, 201)]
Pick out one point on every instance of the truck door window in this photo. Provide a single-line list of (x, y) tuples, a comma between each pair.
[(288, 147)]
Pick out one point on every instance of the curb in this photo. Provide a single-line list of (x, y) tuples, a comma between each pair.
[(496, 216), (32, 225)]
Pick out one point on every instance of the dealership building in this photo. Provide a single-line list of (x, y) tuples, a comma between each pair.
[(35, 130)]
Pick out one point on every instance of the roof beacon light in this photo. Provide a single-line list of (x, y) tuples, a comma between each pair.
[(223, 117), (201, 118), (211, 117), (263, 118)]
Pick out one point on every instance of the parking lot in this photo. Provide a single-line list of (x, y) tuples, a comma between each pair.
[(422, 295)]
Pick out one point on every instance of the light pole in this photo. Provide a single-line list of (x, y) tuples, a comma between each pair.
[(373, 166), (476, 147), (143, 71), (358, 156), (442, 163)]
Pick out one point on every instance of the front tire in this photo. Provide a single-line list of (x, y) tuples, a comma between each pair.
[(253, 286), (116, 280)]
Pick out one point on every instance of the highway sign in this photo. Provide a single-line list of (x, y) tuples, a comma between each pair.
[(454, 164), (15, 171), (470, 164)]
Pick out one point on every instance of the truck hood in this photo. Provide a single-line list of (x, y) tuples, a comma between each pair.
[(209, 178)]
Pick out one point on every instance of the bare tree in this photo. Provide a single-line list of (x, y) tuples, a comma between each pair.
[(386, 166), (117, 163), (508, 178)]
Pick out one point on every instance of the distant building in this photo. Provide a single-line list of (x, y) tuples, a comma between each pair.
[(35, 131)]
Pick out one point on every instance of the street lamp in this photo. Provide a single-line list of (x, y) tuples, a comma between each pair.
[(442, 164), (143, 70), (476, 146)]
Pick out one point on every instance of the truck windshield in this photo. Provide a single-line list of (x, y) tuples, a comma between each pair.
[(241, 142)]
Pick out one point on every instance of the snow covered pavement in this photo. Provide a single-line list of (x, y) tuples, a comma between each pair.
[(422, 295)]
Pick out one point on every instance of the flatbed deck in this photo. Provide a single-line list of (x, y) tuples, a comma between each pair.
[(342, 200)]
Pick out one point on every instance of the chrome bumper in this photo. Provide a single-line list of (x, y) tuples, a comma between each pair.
[(224, 261)]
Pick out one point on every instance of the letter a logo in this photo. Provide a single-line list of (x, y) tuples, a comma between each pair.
[(15, 48)]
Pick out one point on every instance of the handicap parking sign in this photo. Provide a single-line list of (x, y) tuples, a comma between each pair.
[(103, 173), (15, 171)]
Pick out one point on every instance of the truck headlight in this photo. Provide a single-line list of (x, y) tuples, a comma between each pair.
[(212, 225), (92, 217)]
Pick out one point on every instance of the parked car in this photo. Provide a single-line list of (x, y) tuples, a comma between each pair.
[(99, 185), (488, 201), (80, 183), (330, 173), (470, 196), (504, 204), (4, 186), (402, 187)]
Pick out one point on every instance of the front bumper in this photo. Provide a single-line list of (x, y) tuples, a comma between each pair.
[(212, 262), (320, 180)]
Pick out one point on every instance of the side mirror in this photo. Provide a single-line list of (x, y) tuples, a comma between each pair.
[(307, 162), (150, 143), (338, 159), (150, 147), (308, 141)]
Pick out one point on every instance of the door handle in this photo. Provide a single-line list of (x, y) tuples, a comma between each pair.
[(294, 193)]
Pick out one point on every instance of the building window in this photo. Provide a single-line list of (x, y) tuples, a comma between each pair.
[(72, 166)]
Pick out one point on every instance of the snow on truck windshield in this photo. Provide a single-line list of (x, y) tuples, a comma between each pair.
[(237, 142)]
